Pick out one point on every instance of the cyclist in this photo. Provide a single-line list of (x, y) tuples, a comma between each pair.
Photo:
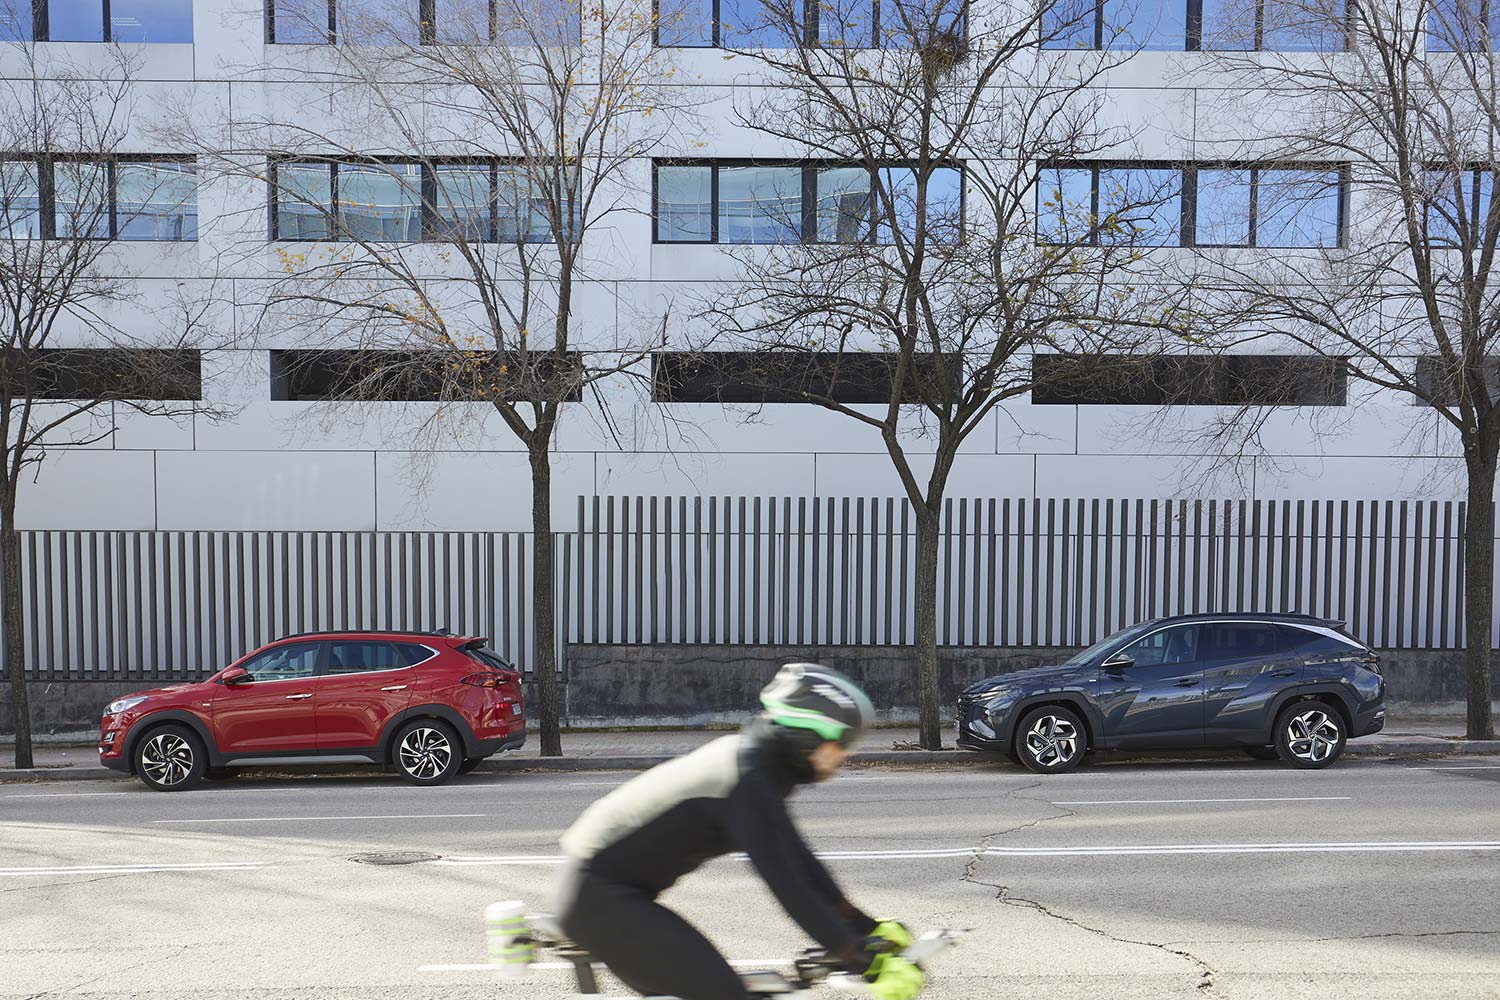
[(730, 795)]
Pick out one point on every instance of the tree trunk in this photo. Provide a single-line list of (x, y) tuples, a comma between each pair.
[(1479, 591), (15, 647), (542, 593), (930, 726)]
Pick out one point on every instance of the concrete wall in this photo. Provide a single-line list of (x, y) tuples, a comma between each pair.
[(693, 685)]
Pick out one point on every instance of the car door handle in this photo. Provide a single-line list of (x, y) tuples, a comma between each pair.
[(395, 687), (1283, 673), (1188, 682), (298, 697)]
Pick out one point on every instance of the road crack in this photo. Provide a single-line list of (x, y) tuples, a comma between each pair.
[(1003, 894)]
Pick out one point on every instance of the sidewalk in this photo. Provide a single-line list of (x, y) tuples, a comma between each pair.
[(60, 757)]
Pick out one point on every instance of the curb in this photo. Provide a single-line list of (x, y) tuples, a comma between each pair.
[(641, 762)]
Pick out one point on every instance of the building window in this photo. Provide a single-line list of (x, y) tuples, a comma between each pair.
[(1189, 380), (1463, 25), (739, 202), (169, 21), (783, 377), (421, 376), (423, 22), (391, 201), (1194, 25), (103, 373), (123, 199), (1458, 207), (860, 24), (1438, 381), (1154, 205)]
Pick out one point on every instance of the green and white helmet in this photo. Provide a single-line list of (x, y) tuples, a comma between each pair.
[(822, 701)]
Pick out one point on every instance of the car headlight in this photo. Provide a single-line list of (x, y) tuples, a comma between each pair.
[(990, 693), (123, 704)]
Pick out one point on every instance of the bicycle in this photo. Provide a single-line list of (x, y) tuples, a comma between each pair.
[(516, 940)]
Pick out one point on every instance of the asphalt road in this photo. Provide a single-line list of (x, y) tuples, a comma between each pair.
[(1130, 880)]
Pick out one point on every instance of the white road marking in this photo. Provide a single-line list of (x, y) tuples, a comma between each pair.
[(1389, 847), (207, 866), (738, 963), (1459, 767), (1165, 802), (63, 795), (319, 819)]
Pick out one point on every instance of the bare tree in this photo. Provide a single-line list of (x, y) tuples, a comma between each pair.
[(68, 195), (454, 215), (1390, 114), (943, 238)]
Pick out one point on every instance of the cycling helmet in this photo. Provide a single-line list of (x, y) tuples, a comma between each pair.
[(823, 702)]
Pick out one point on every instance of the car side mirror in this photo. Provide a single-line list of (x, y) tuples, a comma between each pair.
[(236, 675), (1119, 661)]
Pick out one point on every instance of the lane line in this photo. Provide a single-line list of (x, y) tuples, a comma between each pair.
[(738, 963), (1164, 802), (206, 866), (1458, 767), (1373, 847), (318, 819)]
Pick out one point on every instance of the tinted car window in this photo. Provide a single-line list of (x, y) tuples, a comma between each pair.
[(352, 657), (297, 659), (1241, 640), (1170, 645), (1301, 639), (488, 657)]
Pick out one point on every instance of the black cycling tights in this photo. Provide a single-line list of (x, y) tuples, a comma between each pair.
[(651, 949)]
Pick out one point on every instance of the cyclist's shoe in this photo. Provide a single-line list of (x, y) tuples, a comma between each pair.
[(892, 977), (895, 932)]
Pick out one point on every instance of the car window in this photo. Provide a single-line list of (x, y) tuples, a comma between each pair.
[(1241, 640), (352, 657), (1171, 645), (295, 659), (1299, 639), (488, 657)]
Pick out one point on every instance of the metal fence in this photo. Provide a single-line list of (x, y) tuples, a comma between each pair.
[(800, 571)]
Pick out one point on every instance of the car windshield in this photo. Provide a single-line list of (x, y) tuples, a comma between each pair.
[(1124, 635)]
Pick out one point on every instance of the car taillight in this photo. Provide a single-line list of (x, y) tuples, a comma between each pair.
[(489, 679)]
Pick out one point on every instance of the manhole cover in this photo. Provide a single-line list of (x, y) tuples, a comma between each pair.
[(395, 858)]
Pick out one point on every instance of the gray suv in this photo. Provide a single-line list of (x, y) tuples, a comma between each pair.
[(1292, 687)]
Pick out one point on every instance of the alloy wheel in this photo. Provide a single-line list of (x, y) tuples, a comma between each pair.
[(1312, 735), (167, 759), (425, 753), (1052, 741)]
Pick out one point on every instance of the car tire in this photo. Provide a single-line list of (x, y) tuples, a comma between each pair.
[(469, 764), (170, 759), (426, 752), (1262, 753), (1310, 735), (1050, 740)]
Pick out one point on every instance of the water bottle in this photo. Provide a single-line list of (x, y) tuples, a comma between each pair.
[(507, 941)]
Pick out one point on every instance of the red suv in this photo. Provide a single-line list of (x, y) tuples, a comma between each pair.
[(431, 704)]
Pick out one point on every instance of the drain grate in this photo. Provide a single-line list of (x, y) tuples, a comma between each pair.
[(395, 858)]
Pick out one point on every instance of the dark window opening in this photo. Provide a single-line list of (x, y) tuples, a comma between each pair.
[(1188, 380), (1438, 381), (421, 376), (784, 377), (103, 373)]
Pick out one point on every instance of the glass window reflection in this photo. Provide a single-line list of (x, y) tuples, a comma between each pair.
[(685, 24), (943, 209), (81, 199), (20, 201), (750, 24), (684, 204), (1297, 208), (380, 202), (304, 201), (1303, 25), (522, 211), (1150, 25), (1065, 204), (75, 20), (1223, 212), (844, 208), (760, 205), (524, 23), (378, 22), (461, 22), (300, 22), (165, 21), (464, 203), (156, 201), (15, 20), (1140, 206), (1070, 24)]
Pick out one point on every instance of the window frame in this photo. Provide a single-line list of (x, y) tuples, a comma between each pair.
[(809, 206), (810, 27), (430, 227), (320, 658), (1193, 31), (325, 669), (47, 190), (1187, 227), (41, 27), (427, 22)]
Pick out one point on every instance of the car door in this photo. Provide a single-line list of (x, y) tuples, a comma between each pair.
[(274, 710), (1247, 665), (364, 684), (1156, 700)]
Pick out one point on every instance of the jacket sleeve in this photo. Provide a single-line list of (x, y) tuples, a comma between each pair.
[(820, 877), (761, 827)]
